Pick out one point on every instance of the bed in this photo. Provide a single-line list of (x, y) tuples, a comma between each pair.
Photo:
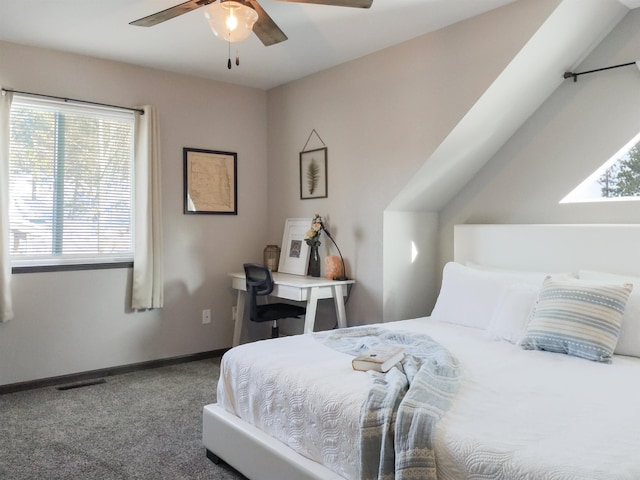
[(291, 407)]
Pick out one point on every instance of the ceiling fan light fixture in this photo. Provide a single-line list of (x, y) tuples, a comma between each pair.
[(231, 21)]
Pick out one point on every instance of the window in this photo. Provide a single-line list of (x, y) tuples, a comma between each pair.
[(617, 179), (70, 183)]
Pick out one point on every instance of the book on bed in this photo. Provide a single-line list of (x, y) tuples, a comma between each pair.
[(379, 358)]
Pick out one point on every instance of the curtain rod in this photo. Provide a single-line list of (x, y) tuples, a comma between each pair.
[(139, 110), (575, 75)]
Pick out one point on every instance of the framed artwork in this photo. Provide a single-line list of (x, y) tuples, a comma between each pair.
[(210, 182), (313, 173), (294, 254)]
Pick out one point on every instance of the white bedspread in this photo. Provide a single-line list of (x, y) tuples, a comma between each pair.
[(302, 393), (518, 414)]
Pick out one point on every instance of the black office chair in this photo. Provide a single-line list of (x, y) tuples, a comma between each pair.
[(260, 283)]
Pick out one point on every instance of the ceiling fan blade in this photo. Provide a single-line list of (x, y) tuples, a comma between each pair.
[(336, 3), (265, 28), (170, 13)]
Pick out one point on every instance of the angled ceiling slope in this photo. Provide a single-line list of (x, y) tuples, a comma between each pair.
[(531, 77)]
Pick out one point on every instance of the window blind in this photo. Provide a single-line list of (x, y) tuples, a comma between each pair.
[(70, 183)]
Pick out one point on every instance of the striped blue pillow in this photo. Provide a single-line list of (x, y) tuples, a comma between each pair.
[(577, 318)]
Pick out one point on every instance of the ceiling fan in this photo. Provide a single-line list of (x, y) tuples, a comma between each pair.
[(265, 28)]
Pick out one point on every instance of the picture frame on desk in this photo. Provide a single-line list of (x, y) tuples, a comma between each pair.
[(210, 182), (294, 255)]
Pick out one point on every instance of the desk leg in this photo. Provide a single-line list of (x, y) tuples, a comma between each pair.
[(312, 306), (339, 292), (239, 320)]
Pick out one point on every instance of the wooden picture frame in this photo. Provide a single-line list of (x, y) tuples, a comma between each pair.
[(294, 254), (210, 182), (313, 174)]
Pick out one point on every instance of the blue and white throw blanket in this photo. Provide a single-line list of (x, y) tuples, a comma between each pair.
[(403, 406)]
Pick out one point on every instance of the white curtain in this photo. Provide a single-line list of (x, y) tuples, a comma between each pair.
[(147, 287), (6, 303)]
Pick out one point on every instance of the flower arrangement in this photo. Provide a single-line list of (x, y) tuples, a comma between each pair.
[(312, 237)]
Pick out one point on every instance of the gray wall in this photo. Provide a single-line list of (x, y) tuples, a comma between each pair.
[(380, 116), (576, 130), (69, 322)]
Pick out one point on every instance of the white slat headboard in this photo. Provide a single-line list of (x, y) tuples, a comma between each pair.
[(551, 248)]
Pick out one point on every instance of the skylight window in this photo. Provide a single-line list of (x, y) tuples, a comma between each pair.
[(618, 179)]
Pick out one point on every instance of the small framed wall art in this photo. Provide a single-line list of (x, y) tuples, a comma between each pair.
[(313, 173), (294, 254), (210, 182)]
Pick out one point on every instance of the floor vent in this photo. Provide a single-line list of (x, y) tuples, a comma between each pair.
[(87, 383)]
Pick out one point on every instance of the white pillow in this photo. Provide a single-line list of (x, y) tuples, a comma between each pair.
[(629, 339), (526, 276), (510, 319), (471, 296)]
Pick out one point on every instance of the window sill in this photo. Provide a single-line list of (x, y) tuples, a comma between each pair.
[(68, 268)]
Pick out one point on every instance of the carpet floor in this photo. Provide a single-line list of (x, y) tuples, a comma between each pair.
[(141, 425)]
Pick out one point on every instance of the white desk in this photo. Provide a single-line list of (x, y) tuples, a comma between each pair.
[(295, 287)]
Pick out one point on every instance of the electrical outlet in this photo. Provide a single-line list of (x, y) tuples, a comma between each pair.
[(206, 316)]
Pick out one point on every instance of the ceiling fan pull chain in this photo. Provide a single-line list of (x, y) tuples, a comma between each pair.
[(229, 61), (237, 59)]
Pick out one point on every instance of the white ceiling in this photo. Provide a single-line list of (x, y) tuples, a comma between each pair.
[(320, 36)]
